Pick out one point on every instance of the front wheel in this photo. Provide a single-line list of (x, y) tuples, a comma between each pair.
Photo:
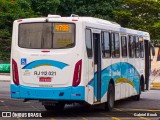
[(110, 98)]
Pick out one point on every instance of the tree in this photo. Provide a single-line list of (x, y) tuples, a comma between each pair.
[(95, 8), (140, 14), (8, 13), (44, 7)]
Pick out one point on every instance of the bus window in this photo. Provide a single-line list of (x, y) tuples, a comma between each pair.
[(136, 47), (115, 45), (124, 46), (46, 35), (63, 35), (88, 40), (141, 47), (105, 45), (131, 46), (32, 35)]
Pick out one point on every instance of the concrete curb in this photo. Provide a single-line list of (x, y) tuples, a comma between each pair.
[(4, 80), (4, 77), (155, 86), (6, 74)]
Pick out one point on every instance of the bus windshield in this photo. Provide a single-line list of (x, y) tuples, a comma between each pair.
[(46, 35)]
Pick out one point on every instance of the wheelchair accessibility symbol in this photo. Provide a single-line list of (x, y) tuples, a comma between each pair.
[(23, 61)]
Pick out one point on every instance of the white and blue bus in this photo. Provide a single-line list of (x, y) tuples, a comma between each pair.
[(60, 60)]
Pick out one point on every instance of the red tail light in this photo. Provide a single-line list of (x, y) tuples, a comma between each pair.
[(77, 74), (15, 72)]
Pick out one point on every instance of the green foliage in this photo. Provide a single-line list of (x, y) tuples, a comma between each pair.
[(44, 7), (95, 8), (8, 13), (140, 14)]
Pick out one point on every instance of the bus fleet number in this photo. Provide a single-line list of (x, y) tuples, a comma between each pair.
[(51, 73)]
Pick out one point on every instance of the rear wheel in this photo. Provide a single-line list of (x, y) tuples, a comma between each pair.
[(142, 83), (137, 97), (56, 107), (110, 98)]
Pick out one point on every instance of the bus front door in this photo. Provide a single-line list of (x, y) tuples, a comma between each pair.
[(97, 66)]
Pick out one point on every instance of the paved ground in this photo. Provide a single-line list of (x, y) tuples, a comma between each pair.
[(124, 109), (4, 77)]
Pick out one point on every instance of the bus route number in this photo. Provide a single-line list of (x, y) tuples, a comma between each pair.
[(61, 27)]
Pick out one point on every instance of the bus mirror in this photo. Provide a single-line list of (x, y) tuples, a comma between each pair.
[(152, 49)]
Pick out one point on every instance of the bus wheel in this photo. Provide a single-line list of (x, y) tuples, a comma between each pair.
[(137, 97), (56, 107), (110, 98)]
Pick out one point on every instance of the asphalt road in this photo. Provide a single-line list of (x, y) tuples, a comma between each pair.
[(124, 109)]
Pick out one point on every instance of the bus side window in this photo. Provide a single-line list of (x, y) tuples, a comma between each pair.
[(131, 47), (105, 45), (141, 47), (115, 45), (88, 40), (136, 47), (124, 46)]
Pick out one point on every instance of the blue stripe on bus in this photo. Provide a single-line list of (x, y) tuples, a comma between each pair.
[(116, 71), (37, 93), (39, 63)]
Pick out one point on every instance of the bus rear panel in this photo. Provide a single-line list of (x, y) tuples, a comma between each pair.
[(42, 62)]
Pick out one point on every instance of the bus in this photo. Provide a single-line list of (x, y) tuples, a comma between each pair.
[(64, 60)]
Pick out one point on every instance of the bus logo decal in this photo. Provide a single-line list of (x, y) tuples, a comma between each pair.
[(106, 73), (39, 63)]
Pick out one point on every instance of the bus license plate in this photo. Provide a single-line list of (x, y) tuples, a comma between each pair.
[(45, 79)]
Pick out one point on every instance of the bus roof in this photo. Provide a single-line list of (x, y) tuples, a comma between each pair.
[(70, 19), (145, 35)]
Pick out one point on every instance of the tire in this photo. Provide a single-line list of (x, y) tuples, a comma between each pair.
[(138, 97), (48, 108), (142, 84), (110, 98), (56, 107)]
